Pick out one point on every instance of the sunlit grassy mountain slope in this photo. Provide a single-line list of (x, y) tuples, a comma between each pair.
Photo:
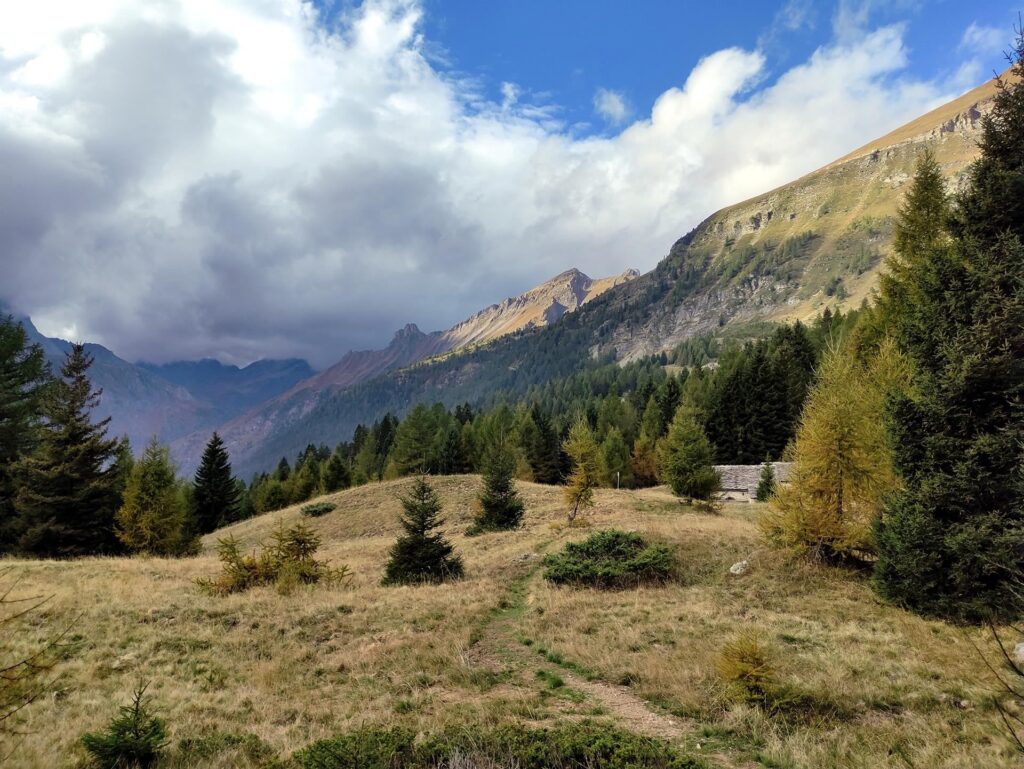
[(818, 241)]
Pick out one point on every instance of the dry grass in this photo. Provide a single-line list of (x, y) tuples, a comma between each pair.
[(880, 688)]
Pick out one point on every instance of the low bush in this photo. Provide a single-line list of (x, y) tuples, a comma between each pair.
[(286, 561), (316, 509), (363, 748), (610, 559), (134, 739), (567, 746)]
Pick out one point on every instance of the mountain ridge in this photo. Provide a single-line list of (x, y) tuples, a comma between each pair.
[(535, 308), (819, 241)]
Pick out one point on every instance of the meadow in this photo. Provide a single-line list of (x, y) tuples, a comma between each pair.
[(246, 680)]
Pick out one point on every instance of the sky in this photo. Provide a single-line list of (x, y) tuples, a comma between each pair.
[(277, 178)]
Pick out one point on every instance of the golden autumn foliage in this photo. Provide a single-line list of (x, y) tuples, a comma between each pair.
[(843, 464)]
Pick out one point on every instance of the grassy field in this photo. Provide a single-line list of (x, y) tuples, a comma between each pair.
[(247, 679)]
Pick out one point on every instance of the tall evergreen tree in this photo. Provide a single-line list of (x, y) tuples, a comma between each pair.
[(215, 497), (951, 540), (154, 518), (766, 483), (616, 470), (67, 492), (686, 458), (501, 507), (544, 449), (421, 554), (414, 437), (24, 376), (336, 475)]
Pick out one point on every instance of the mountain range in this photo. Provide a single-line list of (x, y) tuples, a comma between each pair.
[(817, 242)]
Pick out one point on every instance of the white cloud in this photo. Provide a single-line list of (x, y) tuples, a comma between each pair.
[(228, 177), (982, 40), (611, 105)]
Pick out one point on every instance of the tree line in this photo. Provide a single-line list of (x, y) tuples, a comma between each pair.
[(67, 489), (910, 451)]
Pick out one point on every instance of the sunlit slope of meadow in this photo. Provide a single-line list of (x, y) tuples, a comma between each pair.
[(247, 679)]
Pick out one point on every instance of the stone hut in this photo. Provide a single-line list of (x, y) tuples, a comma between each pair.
[(739, 482)]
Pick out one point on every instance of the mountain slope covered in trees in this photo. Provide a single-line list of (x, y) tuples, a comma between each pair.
[(815, 243), (539, 307)]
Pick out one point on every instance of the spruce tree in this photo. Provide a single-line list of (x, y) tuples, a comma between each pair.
[(411, 453), (215, 498), (421, 554), (336, 475), (67, 492), (766, 483), (686, 458), (154, 518), (501, 507), (24, 376), (952, 538), (544, 450), (583, 451)]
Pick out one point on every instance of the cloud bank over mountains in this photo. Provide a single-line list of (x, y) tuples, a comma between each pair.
[(243, 179)]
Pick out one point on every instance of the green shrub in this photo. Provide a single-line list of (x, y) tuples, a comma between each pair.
[(197, 750), (134, 738), (610, 559), (363, 748), (316, 509), (568, 746), (287, 561)]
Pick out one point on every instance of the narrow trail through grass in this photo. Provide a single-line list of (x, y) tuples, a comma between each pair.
[(499, 646)]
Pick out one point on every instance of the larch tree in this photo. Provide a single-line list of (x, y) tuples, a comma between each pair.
[(154, 518), (842, 469), (215, 496), (67, 492), (583, 452)]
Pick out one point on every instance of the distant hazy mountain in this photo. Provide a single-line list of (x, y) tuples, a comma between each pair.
[(230, 390), (536, 308), (817, 242), (176, 399)]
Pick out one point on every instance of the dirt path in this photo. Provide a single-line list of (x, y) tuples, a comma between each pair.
[(497, 648)]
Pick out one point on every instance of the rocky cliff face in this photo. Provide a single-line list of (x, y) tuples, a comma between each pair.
[(818, 241)]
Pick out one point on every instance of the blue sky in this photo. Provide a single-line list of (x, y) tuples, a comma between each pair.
[(264, 178), (561, 52)]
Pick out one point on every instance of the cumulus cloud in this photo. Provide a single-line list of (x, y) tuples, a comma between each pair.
[(611, 105), (239, 179)]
